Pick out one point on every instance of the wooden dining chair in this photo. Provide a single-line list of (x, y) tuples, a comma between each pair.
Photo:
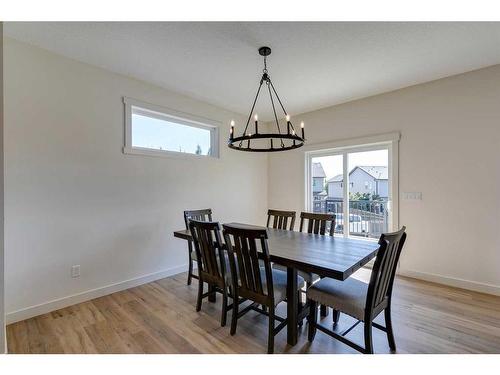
[(360, 300), (262, 285), (212, 262), (200, 215), (280, 219), (317, 223)]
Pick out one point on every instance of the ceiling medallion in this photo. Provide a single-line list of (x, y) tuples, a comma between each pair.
[(267, 142)]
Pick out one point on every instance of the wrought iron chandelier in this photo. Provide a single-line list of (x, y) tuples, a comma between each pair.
[(267, 142)]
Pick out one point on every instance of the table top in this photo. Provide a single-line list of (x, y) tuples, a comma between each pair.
[(335, 257)]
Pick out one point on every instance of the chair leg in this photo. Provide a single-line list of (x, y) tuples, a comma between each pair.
[(335, 316), (300, 306), (190, 270), (234, 317), (270, 338), (323, 311), (388, 326), (313, 316), (368, 338), (224, 308), (200, 294)]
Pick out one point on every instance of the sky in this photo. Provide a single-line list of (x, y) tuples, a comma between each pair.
[(332, 165), (164, 135)]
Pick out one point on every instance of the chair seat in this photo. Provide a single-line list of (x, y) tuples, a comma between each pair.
[(279, 284), (348, 296), (307, 276)]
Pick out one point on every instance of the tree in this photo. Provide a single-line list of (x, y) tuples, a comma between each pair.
[(198, 150)]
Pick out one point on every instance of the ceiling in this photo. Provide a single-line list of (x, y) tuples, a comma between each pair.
[(313, 65)]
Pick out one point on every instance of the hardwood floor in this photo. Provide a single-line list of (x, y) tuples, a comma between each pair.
[(160, 317)]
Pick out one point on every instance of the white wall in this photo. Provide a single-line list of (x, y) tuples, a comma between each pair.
[(2, 316), (73, 197), (449, 151)]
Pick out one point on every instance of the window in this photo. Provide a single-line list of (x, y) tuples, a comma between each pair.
[(153, 130), (371, 207)]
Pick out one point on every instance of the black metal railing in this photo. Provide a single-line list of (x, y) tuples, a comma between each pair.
[(367, 218)]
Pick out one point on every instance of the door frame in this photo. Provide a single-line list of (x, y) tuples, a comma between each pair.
[(389, 141)]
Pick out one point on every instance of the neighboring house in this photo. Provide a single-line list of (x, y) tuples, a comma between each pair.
[(362, 179), (319, 177)]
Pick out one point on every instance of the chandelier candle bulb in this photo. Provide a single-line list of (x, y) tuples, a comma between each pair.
[(231, 130), (302, 127), (256, 117), (288, 124)]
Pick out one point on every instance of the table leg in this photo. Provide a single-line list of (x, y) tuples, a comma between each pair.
[(212, 296), (292, 305)]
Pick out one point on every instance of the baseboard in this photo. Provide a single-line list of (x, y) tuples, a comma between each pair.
[(60, 303), (452, 281)]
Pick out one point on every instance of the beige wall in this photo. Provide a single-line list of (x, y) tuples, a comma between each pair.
[(73, 197), (2, 316), (449, 151)]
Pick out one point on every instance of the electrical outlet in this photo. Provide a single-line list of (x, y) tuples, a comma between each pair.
[(75, 270)]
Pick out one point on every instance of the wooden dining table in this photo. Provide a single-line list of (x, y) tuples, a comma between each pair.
[(326, 256)]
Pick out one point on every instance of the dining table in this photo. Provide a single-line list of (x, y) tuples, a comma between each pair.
[(336, 257)]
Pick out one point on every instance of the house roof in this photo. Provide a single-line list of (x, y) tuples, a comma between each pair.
[(377, 172), (318, 171), (337, 178)]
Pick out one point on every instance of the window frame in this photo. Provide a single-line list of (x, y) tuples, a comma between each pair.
[(162, 113), (389, 141)]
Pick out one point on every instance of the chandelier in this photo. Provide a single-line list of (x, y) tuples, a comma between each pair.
[(279, 140)]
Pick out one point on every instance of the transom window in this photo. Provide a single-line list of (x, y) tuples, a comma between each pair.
[(153, 130)]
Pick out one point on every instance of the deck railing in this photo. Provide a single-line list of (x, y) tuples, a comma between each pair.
[(366, 218)]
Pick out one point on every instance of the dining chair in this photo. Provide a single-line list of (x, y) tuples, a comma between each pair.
[(262, 285), (280, 219), (201, 215), (212, 262), (358, 299), (317, 223)]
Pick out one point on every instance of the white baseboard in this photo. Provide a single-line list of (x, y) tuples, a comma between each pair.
[(452, 281), (87, 295)]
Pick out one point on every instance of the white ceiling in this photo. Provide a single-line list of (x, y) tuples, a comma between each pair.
[(313, 65)]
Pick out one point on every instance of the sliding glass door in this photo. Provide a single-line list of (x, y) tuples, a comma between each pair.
[(356, 185)]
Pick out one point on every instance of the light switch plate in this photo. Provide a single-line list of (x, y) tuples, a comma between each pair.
[(412, 195), (75, 270)]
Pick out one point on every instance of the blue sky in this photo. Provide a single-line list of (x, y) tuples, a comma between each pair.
[(164, 135)]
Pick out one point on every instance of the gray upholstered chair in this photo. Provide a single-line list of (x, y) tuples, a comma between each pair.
[(358, 299)]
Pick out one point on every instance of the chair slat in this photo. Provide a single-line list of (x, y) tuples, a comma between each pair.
[(317, 223), (280, 219)]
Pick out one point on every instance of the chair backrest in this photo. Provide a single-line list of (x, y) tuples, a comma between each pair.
[(209, 251), (384, 271), (317, 223), (247, 245), (280, 219), (200, 215)]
